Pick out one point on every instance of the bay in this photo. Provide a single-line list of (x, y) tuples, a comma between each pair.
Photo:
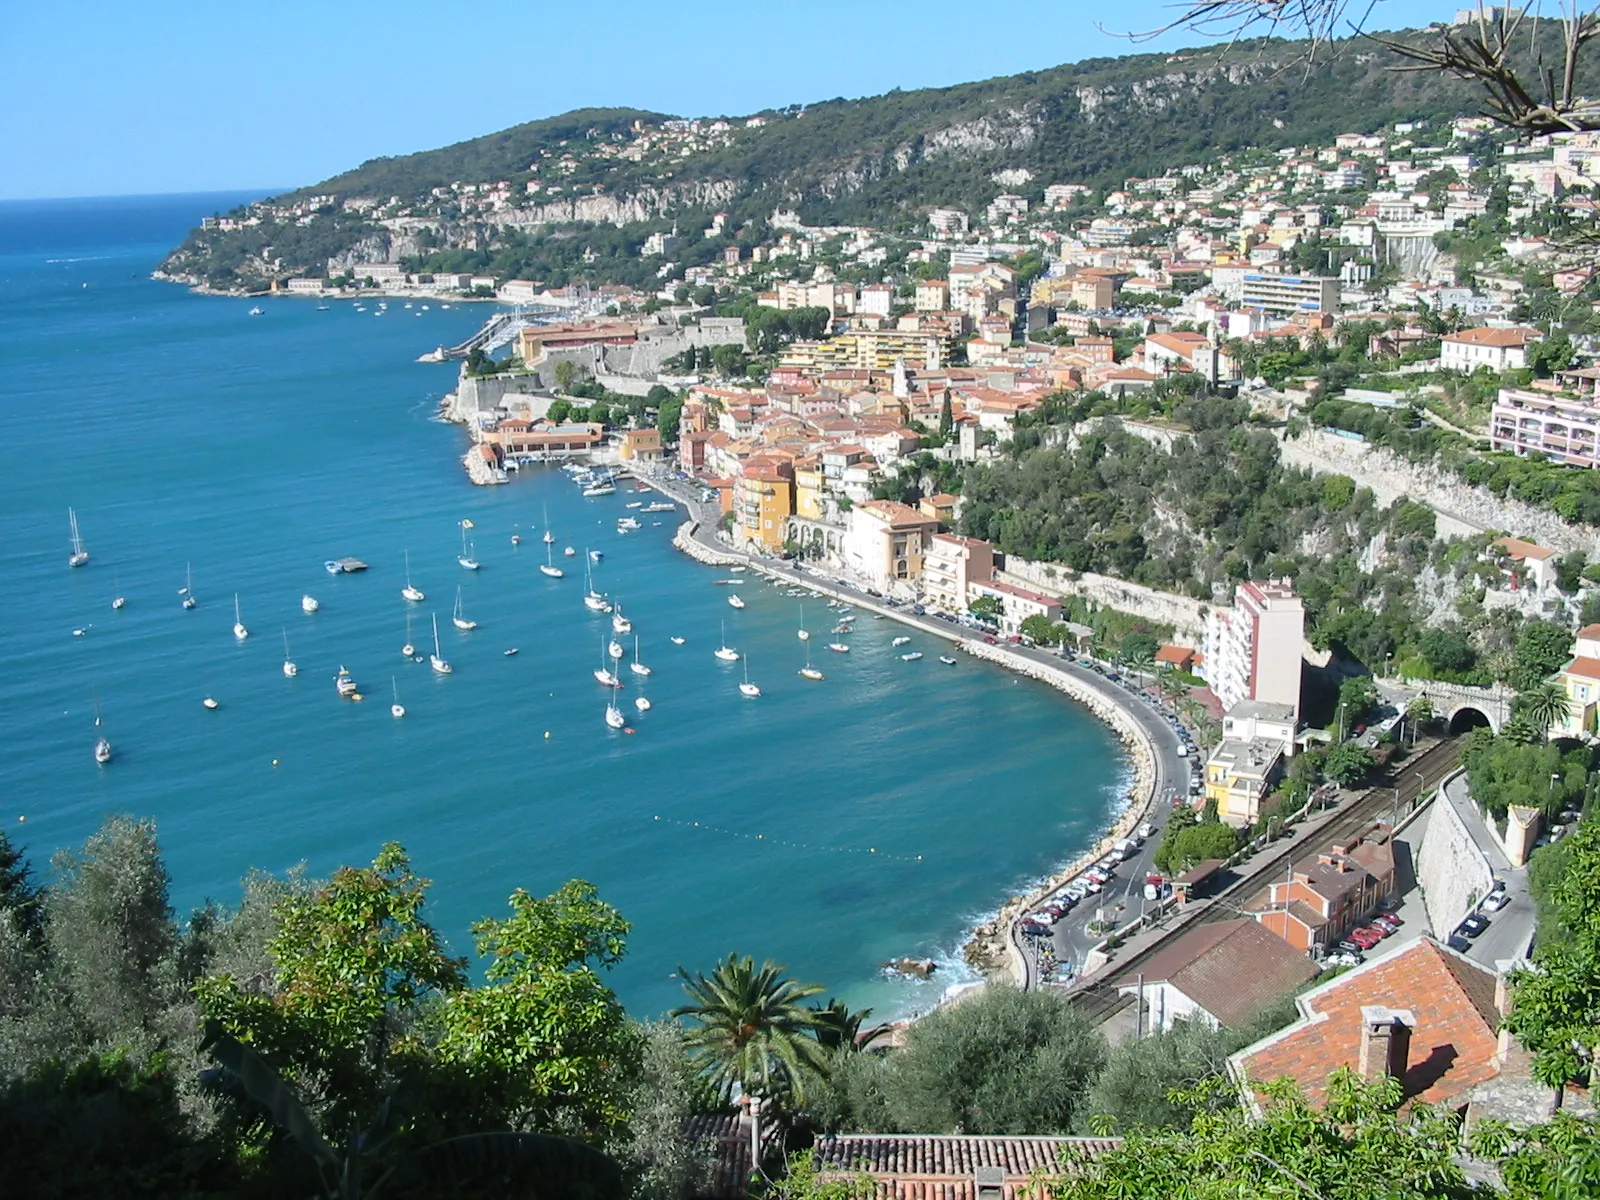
[(829, 826)]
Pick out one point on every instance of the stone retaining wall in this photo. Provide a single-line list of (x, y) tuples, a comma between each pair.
[(1187, 616), (685, 540), (1452, 872)]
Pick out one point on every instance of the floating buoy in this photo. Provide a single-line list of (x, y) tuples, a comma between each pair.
[(547, 735), (274, 762), (22, 818), (625, 729)]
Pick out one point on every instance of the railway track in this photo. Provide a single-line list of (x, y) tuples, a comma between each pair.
[(1393, 796)]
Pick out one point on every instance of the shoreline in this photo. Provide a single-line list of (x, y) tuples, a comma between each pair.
[(992, 947)]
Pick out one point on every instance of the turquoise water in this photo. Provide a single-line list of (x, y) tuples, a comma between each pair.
[(841, 823)]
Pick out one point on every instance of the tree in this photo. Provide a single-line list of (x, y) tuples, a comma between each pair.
[(665, 1163), (668, 416), (1357, 695), (1555, 1001), (1193, 844), (1542, 648), (1544, 705), (1352, 1148), (1041, 629), (1139, 650), (1447, 650), (544, 1035), (986, 606), (1001, 1062), (19, 895), (946, 418), (1348, 763), (730, 361), (751, 1028), (559, 411), (567, 374), (1503, 772)]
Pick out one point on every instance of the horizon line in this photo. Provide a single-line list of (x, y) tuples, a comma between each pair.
[(216, 191)]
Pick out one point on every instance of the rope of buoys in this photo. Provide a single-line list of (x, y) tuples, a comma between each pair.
[(761, 837)]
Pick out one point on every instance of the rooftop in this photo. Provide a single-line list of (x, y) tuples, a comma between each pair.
[(1232, 969)]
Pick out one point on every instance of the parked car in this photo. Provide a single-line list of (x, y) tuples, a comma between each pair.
[(1366, 937), (1388, 921), (1344, 958), (1495, 901), (1349, 947), (1034, 929), (1458, 943), (1147, 830), (1473, 925)]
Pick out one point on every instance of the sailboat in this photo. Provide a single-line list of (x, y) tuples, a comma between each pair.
[(735, 601), (549, 537), (436, 660), (620, 623), (79, 555), (614, 717), (309, 604), (465, 557), (410, 593), (803, 634), (594, 601), (549, 567), (119, 599), (604, 673), (102, 744), (808, 671), (722, 651), (615, 649), (396, 709), (637, 667), (460, 620), (408, 649), (290, 670), (747, 688), (239, 631), (188, 595)]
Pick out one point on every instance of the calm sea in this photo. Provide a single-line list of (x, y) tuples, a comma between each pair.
[(827, 825)]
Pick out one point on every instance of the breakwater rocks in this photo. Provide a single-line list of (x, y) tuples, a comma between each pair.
[(685, 541), (993, 948)]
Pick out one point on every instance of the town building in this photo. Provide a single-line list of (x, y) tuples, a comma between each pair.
[(639, 445), (763, 500), (885, 543), (1253, 649), (1221, 973), (1290, 295), (1327, 894), (1580, 679), (1496, 349), (1257, 736), (1016, 604), (1557, 427), (950, 566)]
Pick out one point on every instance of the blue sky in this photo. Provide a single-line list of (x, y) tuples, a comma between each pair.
[(105, 98)]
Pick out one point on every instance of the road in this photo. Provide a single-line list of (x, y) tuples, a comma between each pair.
[(1510, 931)]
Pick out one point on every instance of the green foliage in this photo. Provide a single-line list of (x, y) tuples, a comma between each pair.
[(1557, 1161), (1447, 649), (19, 895), (1357, 695), (664, 1163), (1181, 849), (986, 606), (1555, 1002), (1543, 705), (1348, 763), (1353, 1148), (1547, 866), (803, 1181), (668, 416), (752, 1029), (1002, 1062), (1543, 648), (1139, 650), (1502, 772)]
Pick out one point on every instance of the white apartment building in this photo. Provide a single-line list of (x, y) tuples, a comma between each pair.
[(1497, 349), (1253, 649), (1290, 295), (1017, 604), (950, 566)]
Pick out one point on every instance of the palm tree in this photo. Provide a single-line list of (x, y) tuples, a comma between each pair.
[(840, 1029), (754, 1030), (1544, 705)]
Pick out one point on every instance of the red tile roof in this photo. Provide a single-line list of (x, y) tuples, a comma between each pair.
[(942, 1167)]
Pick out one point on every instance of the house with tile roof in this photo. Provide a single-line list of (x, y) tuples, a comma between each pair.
[(1328, 893), (1581, 680), (1421, 1013), (1497, 349), (1222, 973), (954, 1167)]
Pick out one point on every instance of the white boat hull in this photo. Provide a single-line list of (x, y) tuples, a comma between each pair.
[(412, 594), (750, 690), (639, 668), (727, 655), (642, 704), (240, 632), (553, 572), (309, 604), (290, 670)]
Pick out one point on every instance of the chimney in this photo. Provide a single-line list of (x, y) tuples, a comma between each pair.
[(1385, 1041)]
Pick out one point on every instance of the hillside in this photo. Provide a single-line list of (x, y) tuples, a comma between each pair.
[(882, 161)]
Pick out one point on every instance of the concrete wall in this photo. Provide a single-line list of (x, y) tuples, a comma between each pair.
[(1452, 872), (1187, 616)]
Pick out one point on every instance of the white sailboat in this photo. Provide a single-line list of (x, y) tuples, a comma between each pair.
[(637, 667), (408, 649), (803, 634), (594, 601), (549, 536), (735, 601), (290, 670), (620, 623), (239, 631), (465, 557), (436, 660), (79, 555), (614, 717), (747, 688), (722, 651), (604, 673), (808, 671), (396, 710), (102, 744), (186, 590), (411, 593), (615, 649), (460, 619), (119, 599), (548, 567), (309, 604)]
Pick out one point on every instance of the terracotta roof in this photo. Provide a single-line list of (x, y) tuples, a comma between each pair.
[(1232, 969), (1453, 1044), (942, 1166), (1517, 548), (1484, 336), (1588, 668), (1589, 631)]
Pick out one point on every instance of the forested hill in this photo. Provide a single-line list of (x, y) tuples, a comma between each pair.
[(882, 161)]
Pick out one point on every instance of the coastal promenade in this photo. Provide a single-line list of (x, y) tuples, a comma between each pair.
[(1156, 767)]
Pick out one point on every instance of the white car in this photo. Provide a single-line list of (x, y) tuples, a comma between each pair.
[(1147, 830), (1495, 901)]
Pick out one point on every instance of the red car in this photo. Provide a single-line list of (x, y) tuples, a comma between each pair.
[(1388, 921), (1366, 937)]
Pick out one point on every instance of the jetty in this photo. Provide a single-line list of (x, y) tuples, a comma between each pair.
[(346, 566)]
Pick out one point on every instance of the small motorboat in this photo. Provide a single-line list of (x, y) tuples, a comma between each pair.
[(635, 504), (570, 552), (208, 702), (735, 601), (900, 641), (344, 684), (102, 751), (839, 647), (947, 660), (642, 703), (511, 653), (332, 567), (596, 555), (516, 539), (677, 641), (118, 601), (309, 603), (912, 657), (738, 570)]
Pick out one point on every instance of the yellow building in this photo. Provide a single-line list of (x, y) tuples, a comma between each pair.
[(1581, 679), (640, 444), (808, 485), (763, 499), (871, 349)]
